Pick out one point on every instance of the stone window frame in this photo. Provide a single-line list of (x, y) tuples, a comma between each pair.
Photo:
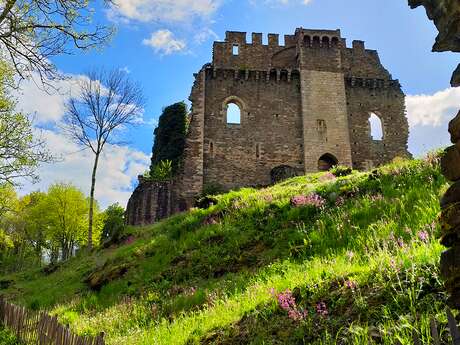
[(382, 122), (243, 110), (235, 49)]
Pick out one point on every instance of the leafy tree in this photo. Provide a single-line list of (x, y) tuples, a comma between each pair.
[(20, 150), (170, 135), (33, 31), (66, 219), (108, 102), (114, 223)]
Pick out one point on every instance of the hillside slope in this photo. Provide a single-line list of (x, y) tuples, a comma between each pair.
[(314, 260)]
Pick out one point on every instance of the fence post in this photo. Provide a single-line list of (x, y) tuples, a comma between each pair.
[(453, 327)]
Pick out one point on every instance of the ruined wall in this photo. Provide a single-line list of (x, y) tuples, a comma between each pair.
[(269, 135), (446, 16), (150, 202), (304, 104)]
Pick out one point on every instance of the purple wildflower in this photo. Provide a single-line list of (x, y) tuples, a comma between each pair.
[(286, 301), (311, 199), (423, 236), (321, 309), (130, 240), (350, 284), (400, 242)]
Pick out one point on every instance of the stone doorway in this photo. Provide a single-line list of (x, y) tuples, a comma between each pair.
[(326, 162)]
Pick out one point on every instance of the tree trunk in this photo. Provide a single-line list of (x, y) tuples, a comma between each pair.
[(91, 202)]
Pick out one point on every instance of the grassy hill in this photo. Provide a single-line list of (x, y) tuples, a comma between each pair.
[(316, 259)]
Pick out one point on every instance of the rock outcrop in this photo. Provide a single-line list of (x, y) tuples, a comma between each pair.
[(446, 16)]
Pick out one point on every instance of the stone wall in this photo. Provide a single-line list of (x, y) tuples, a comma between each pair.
[(269, 135), (446, 16), (150, 202)]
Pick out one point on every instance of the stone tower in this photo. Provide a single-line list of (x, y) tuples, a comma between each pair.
[(290, 108)]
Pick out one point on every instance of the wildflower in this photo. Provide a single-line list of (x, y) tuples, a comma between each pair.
[(377, 197), (407, 230), (321, 309), (339, 201), (286, 301), (311, 199), (400, 242), (423, 236), (327, 177), (130, 240), (350, 284), (350, 255)]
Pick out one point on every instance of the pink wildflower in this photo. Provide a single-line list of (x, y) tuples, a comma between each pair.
[(311, 199), (321, 309), (423, 236), (350, 284), (327, 177), (286, 301)]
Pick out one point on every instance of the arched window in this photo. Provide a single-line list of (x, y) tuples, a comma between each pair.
[(335, 41), (376, 127), (316, 42), (307, 41), (325, 42), (326, 162), (233, 114)]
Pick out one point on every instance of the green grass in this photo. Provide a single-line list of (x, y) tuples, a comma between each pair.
[(7, 338), (209, 276)]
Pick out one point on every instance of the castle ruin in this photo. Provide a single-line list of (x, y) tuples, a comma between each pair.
[(261, 111)]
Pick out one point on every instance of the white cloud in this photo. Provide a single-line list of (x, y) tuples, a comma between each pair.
[(164, 42), (119, 165), (48, 106), (163, 10), (432, 110), (118, 169), (429, 116), (204, 35)]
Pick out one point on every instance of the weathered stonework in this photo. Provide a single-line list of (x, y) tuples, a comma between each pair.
[(150, 202), (304, 106), (446, 16)]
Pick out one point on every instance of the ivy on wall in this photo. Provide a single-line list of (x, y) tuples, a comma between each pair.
[(170, 136)]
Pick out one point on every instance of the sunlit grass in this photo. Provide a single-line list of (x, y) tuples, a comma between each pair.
[(208, 276)]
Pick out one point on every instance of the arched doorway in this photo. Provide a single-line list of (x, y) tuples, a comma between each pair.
[(326, 162)]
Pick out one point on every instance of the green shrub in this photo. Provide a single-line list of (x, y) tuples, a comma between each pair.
[(341, 170)]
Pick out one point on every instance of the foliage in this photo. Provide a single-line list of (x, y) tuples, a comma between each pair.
[(20, 150), (169, 142), (341, 170), (41, 227), (360, 269), (7, 338), (108, 101), (114, 224), (162, 171), (33, 31)]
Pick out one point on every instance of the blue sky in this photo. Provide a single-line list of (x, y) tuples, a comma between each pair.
[(162, 43)]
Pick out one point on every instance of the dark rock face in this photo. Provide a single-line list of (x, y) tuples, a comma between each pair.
[(446, 17)]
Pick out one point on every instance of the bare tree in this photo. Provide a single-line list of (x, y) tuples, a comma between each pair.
[(33, 31), (107, 102)]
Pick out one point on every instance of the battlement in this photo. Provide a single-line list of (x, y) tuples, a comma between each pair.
[(273, 40)]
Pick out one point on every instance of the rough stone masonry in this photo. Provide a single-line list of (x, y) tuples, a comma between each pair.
[(301, 106), (446, 16)]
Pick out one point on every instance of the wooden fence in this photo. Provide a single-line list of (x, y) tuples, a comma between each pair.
[(39, 328)]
